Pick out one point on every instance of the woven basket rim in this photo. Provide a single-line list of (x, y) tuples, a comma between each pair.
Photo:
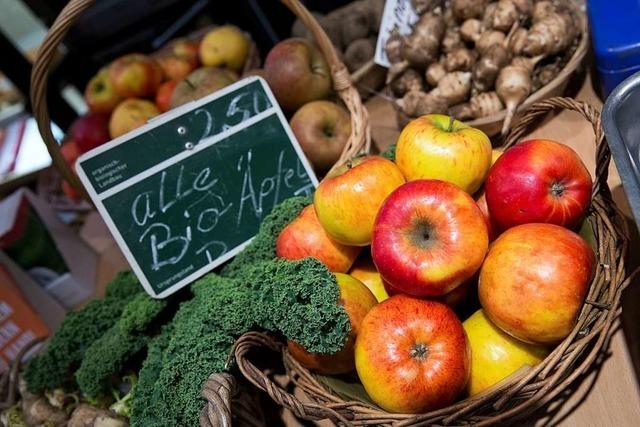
[(527, 390)]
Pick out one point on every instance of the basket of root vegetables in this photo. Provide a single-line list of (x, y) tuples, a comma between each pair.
[(482, 61)]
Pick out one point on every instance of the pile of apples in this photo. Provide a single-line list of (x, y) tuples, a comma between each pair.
[(450, 220), (134, 88)]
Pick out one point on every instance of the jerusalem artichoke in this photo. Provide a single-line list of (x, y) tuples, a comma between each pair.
[(434, 73), (470, 30), (424, 6), (454, 87), (485, 104), (487, 68), (542, 9), (451, 40), (552, 34), (461, 59), (461, 111), (517, 41), (409, 81), (513, 86), (418, 103), (421, 47), (359, 53), (505, 15), (525, 7), (355, 23), (392, 47), (488, 39), (465, 9), (487, 17)]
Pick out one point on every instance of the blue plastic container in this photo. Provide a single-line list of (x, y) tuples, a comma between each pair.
[(615, 34)]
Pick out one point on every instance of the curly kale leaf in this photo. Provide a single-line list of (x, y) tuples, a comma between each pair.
[(55, 367)]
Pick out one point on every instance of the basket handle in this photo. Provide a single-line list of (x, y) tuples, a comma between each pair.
[(540, 109), (359, 140), (305, 410)]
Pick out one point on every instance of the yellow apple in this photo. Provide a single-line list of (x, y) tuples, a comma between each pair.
[(438, 147), (495, 155), (130, 114), (495, 354), (349, 197), (225, 46), (365, 271)]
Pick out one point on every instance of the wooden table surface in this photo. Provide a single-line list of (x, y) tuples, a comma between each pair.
[(611, 396)]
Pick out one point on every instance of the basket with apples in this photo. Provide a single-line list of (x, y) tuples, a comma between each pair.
[(491, 283)]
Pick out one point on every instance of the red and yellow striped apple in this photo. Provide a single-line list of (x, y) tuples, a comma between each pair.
[(429, 237), (534, 280), (305, 237), (412, 355), (438, 147), (357, 300), (365, 271), (349, 197), (538, 181)]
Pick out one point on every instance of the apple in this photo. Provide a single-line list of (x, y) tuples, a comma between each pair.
[(438, 147), (225, 46), (322, 128), (131, 114), (90, 131), (184, 48), (538, 181), (429, 237), (70, 152), (163, 97), (348, 198), (365, 271), (174, 67), (297, 73), (305, 237), (412, 355), (259, 72), (135, 76), (534, 281), (100, 95), (357, 301), (495, 155), (201, 83), (453, 299), (494, 354), (492, 229)]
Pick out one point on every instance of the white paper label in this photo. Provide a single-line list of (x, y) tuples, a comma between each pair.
[(397, 14)]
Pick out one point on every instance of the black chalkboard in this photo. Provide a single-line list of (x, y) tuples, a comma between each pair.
[(188, 191)]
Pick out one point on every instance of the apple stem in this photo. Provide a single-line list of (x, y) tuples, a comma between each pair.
[(349, 164), (451, 120)]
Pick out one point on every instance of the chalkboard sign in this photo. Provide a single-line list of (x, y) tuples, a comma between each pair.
[(188, 190)]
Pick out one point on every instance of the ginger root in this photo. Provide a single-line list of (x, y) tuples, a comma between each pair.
[(421, 47)]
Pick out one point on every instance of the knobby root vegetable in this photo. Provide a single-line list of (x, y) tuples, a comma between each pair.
[(461, 59), (424, 6), (451, 40), (545, 74), (487, 68), (434, 73), (359, 53), (409, 81), (513, 86), (485, 104), (454, 87), (465, 9), (418, 103), (505, 15), (541, 10), (526, 62), (487, 17), (461, 111), (525, 7), (489, 38), (396, 70), (470, 30), (518, 41), (332, 25), (421, 47), (355, 22), (552, 34)]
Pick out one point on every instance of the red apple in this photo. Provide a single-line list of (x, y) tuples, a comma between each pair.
[(305, 237), (70, 152), (90, 131), (538, 181), (297, 73), (135, 76), (412, 355), (174, 67), (481, 201), (534, 281), (163, 97), (357, 300), (453, 299), (348, 198), (184, 48), (201, 83), (429, 237), (322, 128), (100, 95)]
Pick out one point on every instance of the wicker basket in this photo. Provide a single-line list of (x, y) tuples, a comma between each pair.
[(525, 391), (227, 399)]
